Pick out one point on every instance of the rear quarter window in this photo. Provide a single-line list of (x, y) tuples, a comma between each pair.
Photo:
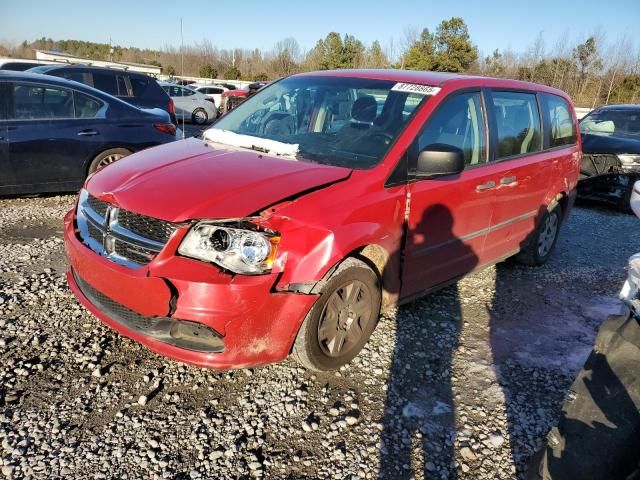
[(86, 106), (560, 127)]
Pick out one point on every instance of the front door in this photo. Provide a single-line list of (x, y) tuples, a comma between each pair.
[(6, 174), (449, 216)]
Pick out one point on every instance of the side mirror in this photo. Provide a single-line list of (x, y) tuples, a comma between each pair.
[(439, 159)]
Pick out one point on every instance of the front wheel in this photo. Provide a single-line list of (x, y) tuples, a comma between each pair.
[(199, 116), (542, 240), (341, 321)]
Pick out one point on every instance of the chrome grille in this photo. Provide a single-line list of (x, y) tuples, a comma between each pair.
[(134, 253), (97, 206), (123, 237), (152, 228)]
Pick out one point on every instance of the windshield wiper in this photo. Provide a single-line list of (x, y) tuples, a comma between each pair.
[(263, 145)]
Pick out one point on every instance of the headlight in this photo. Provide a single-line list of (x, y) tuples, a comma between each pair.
[(239, 250), (632, 285), (629, 160)]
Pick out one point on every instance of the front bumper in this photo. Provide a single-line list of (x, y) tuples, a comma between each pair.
[(252, 324)]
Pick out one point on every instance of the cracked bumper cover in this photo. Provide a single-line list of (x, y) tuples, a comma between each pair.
[(245, 322)]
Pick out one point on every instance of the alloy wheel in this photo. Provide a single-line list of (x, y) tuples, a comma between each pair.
[(110, 159)]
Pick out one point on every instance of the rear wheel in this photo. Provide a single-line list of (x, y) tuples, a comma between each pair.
[(107, 157), (543, 239), (199, 116), (341, 321)]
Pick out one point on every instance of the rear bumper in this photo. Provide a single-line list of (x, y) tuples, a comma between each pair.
[(251, 324)]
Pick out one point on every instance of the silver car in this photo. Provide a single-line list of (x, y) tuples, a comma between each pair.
[(191, 106)]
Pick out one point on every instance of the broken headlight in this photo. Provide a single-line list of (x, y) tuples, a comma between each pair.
[(629, 161), (239, 250), (629, 292)]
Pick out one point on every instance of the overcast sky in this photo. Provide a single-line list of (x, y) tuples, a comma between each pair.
[(250, 24)]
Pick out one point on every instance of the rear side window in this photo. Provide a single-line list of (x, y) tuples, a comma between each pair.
[(140, 86), (459, 122), (106, 83), (561, 129), (35, 102), (86, 106), (111, 84), (517, 122)]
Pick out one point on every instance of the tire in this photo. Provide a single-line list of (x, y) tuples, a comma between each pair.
[(349, 299), (107, 157), (543, 240), (199, 116)]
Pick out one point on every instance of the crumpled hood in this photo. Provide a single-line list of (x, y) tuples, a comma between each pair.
[(191, 179), (592, 143)]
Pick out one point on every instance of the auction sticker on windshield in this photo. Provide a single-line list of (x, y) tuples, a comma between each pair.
[(415, 88)]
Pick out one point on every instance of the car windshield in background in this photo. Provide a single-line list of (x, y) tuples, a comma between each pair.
[(348, 122), (612, 122)]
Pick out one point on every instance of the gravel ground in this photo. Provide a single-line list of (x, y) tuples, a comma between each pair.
[(462, 384)]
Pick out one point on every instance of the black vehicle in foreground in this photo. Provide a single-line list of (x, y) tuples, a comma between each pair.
[(135, 88), (598, 433), (611, 154), (54, 132)]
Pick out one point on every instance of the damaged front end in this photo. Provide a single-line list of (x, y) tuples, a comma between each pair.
[(608, 177)]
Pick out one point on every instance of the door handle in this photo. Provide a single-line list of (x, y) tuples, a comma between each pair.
[(485, 186), (508, 180), (87, 133)]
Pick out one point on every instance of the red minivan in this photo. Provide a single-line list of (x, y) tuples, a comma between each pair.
[(320, 201)]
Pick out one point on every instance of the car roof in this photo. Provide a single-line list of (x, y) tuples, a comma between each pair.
[(626, 106), (8, 75), (436, 79), (79, 66)]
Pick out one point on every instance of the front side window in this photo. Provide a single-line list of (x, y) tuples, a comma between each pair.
[(342, 121), (517, 122), (458, 122), (36, 102), (561, 129)]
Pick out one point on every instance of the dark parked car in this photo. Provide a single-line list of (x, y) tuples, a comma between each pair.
[(54, 132), (135, 88), (611, 160), (20, 64)]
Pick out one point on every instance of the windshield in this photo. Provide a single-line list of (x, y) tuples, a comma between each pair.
[(612, 122), (349, 122)]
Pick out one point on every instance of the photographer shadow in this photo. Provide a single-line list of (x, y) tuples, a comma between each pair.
[(420, 412)]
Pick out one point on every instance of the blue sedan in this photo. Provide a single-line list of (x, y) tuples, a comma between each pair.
[(55, 132)]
